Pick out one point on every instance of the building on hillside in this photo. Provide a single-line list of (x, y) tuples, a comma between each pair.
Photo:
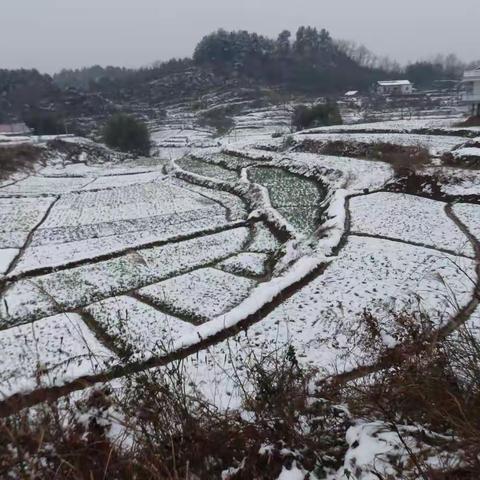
[(12, 129), (394, 87), (471, 90), (352, 98)]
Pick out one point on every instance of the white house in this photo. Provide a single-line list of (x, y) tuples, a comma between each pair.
[(394, 87), (471, 90)]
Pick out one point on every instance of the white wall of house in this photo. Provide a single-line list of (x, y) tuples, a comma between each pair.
[(476, 88), (471, 87), (395, 89)]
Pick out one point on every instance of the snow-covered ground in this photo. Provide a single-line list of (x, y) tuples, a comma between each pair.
[(390, 215), (144, 258)]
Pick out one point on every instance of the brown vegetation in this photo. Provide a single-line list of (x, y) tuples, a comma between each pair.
[(18, 158), (165, 429), (436, 385), (171, 432), (399, 156), (470, 122)]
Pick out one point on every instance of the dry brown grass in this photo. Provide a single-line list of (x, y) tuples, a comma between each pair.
[(174, 433), (17, 158), (401, 157), (469, 122), (437, 386)]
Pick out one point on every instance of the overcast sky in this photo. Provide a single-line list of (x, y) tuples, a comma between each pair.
[(53, 34)]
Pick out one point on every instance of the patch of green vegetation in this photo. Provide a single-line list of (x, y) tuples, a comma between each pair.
[(295, 197), (316, 116), (127, 134)]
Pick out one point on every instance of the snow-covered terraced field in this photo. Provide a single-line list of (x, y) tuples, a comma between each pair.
[(69, 289), (106, 267), (137, 330), (50, 350), (93, 224), (390, 215), (18, 217), (207, 169), (400, 126), (215, 292)]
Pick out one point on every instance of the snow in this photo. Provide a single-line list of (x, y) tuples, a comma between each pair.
[(136, 327), (90, 224), (404, 126), (436, 144), (323, 320), (234, 205), (49, 352), (115, 181), (7, 255), (263, 240), (92, 171), (117, 236), (215, 292), (467, 152), (336, 172), (58, 254), (392, 83), (294, 473), (250, 264), (207, 170), (37, 185), (469, 214), (18, 216), (407, 218), (379, 450), (80, 286)]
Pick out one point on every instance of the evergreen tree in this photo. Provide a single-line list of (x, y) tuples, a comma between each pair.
[(127, 134)]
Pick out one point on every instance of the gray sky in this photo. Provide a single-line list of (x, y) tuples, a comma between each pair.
[(52, 34)]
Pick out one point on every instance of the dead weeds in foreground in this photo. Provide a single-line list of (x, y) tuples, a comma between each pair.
[(167, 430)]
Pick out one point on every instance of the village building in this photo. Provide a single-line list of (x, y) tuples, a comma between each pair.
[(352, 98), (471, 90), (394, 87)]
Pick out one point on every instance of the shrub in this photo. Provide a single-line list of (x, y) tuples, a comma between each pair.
[(15, 158), (127, 134), (316, 116), (159, 426), (218, 118), (46, 124), (164, 429), (433, 382)]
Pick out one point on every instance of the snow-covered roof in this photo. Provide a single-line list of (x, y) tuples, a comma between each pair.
[(351, 93), (394, 83)]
